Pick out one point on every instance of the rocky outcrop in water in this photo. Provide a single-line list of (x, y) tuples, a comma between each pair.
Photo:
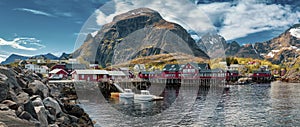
[(28, 100)]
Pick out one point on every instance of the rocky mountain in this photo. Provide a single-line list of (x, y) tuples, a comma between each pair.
[(13, 57), (65, 56), (48, 56), (137, 33), (285, 46), (213, 44), (280, 49)]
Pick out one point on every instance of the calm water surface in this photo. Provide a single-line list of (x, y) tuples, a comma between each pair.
[(276, 104)]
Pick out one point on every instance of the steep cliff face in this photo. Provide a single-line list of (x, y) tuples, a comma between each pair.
[(279, 49), (140, 32), (213, 44)]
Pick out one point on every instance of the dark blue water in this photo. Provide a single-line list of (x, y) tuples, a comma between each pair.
[(276, 104)]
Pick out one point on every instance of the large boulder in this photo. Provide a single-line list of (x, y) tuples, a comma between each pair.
[(11, 104), (42, 116), (11, 78), (37, 102), (74, 110), (51, 104), (23, 99), (39, 88), (4, 87), (10, 119)]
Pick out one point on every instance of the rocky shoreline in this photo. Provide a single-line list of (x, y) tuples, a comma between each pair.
[(292, 76), (26, 99)]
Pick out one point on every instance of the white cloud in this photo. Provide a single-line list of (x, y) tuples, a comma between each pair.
[(18, 43), (182, 12), (249, 16), (3, 57), (37, 12)]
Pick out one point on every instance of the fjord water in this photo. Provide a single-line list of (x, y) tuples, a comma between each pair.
[(275, 104)]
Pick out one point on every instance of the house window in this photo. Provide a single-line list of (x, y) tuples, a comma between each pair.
[(82, 76), (94, 76)]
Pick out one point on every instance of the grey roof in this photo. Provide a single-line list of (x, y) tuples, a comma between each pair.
[(173, 67), (211, 70), (233, 71), (261, 71), (116, 73), (200, 65), (75, 66), (90, 72)]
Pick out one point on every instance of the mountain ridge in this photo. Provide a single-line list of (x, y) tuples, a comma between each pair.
[(142, 32)]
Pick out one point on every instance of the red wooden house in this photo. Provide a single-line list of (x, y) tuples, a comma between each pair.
[(192, 70), (89, 75), (232, 75), (58, 74), (261, 76), (150, 74), (172, 71)]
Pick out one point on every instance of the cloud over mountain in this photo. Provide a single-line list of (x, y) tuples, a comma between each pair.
[(182, 12), (231, 19), (236, 20)]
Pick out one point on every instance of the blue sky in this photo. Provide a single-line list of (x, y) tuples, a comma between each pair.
[(30, 27)]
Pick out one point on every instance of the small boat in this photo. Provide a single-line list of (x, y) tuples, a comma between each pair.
[(146, 96), (127, 94), (114, 94)]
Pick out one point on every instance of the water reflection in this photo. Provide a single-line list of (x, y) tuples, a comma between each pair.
[(275, 104)]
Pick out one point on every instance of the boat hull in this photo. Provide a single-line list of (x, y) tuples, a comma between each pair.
[(143, 97), (126, 95)]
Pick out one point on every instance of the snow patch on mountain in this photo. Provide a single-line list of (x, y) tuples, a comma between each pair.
[(295, 32), (271, 54), (195, 37), (94, 33)]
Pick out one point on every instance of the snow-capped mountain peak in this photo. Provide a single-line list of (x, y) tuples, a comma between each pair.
[(295, 32)]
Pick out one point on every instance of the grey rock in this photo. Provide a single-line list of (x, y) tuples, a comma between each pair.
[(3, 124), (64, 119), (10, 104), (4, 87), (3, 107), (11, 120), (22, 98), (37, 102), (73, 119), (42, 116), (11, 78), (53, 125), (51, 118), (25, 115), (30, 109), (74, 110), (52, 103), (39, 88)]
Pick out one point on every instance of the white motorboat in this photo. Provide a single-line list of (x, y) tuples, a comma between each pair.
[(127, 94), (144, 96)]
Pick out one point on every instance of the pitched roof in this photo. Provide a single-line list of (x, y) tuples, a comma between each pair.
[(90, 72), (75, 66), (212, 70), (116, 73), (200, 65), (173, 67), (54, 71)]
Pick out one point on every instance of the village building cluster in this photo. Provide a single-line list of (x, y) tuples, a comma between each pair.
[(71, 69)]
